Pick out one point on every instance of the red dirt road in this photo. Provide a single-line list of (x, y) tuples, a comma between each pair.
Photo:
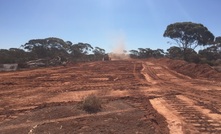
[(137, 97)]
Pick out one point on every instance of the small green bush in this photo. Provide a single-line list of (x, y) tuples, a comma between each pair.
[(91, 104)]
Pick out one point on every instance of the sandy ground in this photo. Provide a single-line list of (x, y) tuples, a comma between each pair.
[(138, 97)]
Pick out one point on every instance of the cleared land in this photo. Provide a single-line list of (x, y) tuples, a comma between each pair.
[(138, 96)]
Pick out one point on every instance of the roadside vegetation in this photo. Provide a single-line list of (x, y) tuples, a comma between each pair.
[(91, 104), (185, 36)]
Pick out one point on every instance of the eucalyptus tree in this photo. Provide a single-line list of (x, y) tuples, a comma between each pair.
[(48, 47), (189, 35)]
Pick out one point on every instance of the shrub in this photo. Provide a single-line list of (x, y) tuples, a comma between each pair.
[(91, 104)]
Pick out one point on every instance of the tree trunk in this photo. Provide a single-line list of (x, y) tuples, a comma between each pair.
[(185, 54)]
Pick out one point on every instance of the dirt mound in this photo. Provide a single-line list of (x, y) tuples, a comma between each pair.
[(191, 69)]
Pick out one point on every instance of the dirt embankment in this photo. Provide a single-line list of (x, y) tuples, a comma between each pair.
[(191, 69)]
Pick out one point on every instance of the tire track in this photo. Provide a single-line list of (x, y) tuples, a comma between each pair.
[(199, 121), (150, 71), (205, 98), (175, 84)]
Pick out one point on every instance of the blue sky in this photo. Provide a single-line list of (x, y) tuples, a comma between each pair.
[(103, 23)]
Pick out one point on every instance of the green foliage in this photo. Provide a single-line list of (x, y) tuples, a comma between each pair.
[(49, 43), (56, 47), (48, 47), (13, 55), (218, 40), (217, 44), (98, 51), (146, 53), (192, 56), (134, 53), (80, 49), (189, 35), (210, 53), (175, 52), (91, 104)]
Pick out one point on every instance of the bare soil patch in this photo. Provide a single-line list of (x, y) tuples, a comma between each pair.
[(137, 96), (48, 100)]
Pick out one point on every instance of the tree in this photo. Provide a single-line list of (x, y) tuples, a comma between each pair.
[(146, 53), (207, 54), (218, 44), (5, 56), (174, 52), (189, 35), (80, 49), (13, 55), (212, 53), (134, 53), (99, 54), (142, 53), (50, 42), (48, 47), (218, 40), (158, 53), (98, 51), (149, 53)]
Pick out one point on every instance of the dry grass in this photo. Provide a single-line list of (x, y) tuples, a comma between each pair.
[(91, 104)]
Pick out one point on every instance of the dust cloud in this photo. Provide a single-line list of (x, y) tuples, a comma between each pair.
[(119, 49)]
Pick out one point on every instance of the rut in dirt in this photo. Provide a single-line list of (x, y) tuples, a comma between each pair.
[(173, 84)]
